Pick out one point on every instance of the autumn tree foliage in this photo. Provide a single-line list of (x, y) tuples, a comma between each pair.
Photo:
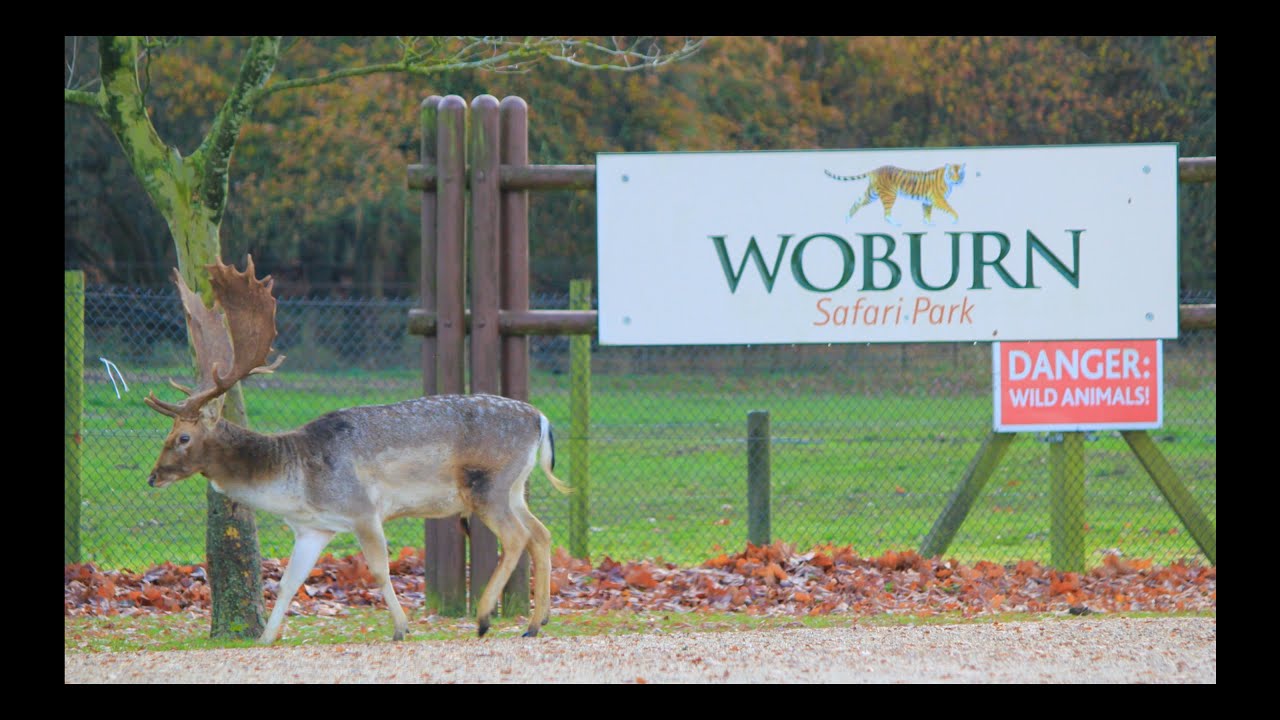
[(318, 180)]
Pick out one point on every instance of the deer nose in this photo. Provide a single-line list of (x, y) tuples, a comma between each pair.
[(151, 480)]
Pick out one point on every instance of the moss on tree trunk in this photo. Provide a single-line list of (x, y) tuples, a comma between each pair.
[(191, 195)]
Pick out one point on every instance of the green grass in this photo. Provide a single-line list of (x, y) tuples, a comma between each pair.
[(178, 631), (864, 458)]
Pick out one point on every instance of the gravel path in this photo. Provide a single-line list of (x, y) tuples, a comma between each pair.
[(1073, 650)]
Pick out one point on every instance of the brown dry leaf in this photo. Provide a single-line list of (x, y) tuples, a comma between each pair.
[(641, 577), (718, 561), (776, 571), (1063, 584), (107, 590)]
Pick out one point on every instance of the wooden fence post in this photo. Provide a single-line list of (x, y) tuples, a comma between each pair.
[(432, 529), (579, 425), (975, 477), (513, 115), (73, 389), (484, 352), (446, 547), (1202, 529), (1066, 502), (759, 473)]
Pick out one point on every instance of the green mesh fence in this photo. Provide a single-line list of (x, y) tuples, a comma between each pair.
[(868, 443)]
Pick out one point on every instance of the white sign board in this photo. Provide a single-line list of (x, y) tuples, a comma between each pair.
[(905, 245)]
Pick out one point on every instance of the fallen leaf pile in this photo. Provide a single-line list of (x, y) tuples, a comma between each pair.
[(764, 580)]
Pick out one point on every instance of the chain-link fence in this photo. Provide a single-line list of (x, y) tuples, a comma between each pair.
[(869, 443)]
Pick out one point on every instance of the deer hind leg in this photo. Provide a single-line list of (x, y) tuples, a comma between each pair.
[(308, 543), (374, 545), (514, 537), (540, 555)]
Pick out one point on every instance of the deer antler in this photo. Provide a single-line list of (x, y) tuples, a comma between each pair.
[(241, 347)]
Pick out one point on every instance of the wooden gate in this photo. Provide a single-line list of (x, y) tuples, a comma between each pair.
[(494, 168)]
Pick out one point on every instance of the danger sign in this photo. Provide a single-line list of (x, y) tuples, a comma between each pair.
[(1078, 385)]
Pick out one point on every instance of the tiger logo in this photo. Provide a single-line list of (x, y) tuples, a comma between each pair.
[(887, 183)]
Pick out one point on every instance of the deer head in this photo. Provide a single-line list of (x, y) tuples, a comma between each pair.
[(225, 354)]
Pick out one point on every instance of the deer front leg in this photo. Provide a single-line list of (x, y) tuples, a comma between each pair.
[(308, 543), (374, 544)]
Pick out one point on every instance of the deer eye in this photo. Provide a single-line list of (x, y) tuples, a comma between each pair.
[(184, 438)]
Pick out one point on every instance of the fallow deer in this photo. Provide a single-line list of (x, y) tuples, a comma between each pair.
[(353, 469)]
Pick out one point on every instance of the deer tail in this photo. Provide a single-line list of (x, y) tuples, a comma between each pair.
[(547, 456)]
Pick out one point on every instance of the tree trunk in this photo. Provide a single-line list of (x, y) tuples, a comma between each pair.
[(191, 195), (231, 535), (235, 562)]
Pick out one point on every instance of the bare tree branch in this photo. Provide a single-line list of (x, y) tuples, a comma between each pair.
[(214, 153), (637, 54), (71, 64), (507, 55), (77, 51)]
